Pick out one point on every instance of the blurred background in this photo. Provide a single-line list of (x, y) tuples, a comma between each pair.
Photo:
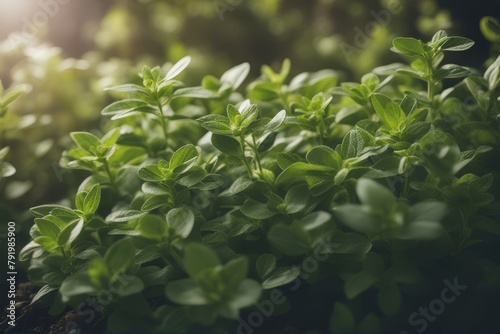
[(67, 51)]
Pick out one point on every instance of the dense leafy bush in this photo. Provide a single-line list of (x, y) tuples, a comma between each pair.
[(348, 204), (36, 126)]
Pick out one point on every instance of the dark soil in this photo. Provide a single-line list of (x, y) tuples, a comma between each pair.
[(35, 319)]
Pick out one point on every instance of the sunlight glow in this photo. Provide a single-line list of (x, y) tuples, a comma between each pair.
[(15, 9)]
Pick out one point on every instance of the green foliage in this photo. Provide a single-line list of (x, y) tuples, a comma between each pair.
[(6, 99), (367, 183)]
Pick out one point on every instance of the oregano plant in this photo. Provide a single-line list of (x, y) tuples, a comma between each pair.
[(352, 200)]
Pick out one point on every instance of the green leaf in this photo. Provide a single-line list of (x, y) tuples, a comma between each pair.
[(120, 256), (486, 224), (151, 173), (358, 218), (416, 131), (280, 276), (44, 210), (6, 169), (475, 86), (256, 210), (247, 294), (30, 248), (147, 254), (354, 143), (286, 159), (349, 243), (439, 36), (371, 81), (451, 71), (389, 112), (389, 299), (127, 88), (275, 122), (181, 220), (124, 216), (186, 292), (234, 115), (326, 156), (455, 43), (98, 272), (428, 210), (85, 140), (359, 283), (226, 144), (152, 227), (234, 272), (342, 319), (127, 285), (212, 83), (128, 107), (155, 202), (79, 198), (70, 233), (47, 228), (150, 77), (490, 27), (92, 200), (421, 230), (374, 195), (3, 152), (408, 46), (291, 240), (12, 94), (412, 73), (300, 170), (177, 68), (240, 184), (235, 76), (47, 244), (44, 290), (183, 159), (155, 189), (197, 258), (296, 199), (192, 177), (266, 142), (194, 92), (315, 220), (266, 263), (217, 124), (492, 74), (408, 104), (385, 167), (211, 181), (249, 113), (78, 284)]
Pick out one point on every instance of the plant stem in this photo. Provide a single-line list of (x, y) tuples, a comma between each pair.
[(163, 121), (405, 187), (110, 175), (169, 259), (462, 235), (430, 84), (321, 131), (249, 168), (256, 153)]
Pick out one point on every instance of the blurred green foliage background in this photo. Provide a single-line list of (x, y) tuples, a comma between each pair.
[(67, 51)]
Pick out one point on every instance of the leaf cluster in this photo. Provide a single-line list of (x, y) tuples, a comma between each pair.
[(202, 201)]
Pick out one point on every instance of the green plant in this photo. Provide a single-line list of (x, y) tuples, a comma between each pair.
[(383, 187), (6, 99)]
